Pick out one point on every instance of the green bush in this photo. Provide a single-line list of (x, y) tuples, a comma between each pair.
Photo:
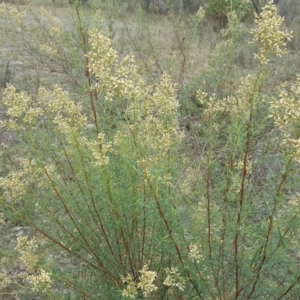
[(219, 9)]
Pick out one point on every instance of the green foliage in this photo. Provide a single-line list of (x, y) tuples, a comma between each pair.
[(219, 9), (192, 5)]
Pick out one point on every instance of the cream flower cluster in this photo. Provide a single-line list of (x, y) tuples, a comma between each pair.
[(54, 106), (38, 279), (100, 150), (26, 248), (5, 281), (119, 78), (147, 278), (267, 33), (174, 279), (200, 14), (55, 24), (195, 254), (145, 284), (286, 113), (15, 185), (151, 125), (16, 16), (131, 289), (41, 281), (43, 22)]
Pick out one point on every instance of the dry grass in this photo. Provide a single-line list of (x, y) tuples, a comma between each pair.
[(164, 43)]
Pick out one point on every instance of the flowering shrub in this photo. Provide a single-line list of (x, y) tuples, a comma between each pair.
[(105, 185)]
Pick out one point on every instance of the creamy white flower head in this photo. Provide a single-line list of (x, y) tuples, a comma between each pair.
[(267, 33), (174, 279), (40, 281), (285, 110), (195, 254), (130, 290), (147, 278)]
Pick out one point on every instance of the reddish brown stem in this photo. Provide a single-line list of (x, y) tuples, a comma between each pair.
[(87, 70)]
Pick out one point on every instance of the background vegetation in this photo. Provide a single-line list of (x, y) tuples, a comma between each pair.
[(149, 150)]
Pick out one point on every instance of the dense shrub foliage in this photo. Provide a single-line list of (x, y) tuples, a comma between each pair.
[(219, 9)]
